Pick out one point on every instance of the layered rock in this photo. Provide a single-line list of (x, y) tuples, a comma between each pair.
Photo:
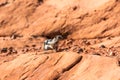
[(90, 30), (61, 66), (76, 19)]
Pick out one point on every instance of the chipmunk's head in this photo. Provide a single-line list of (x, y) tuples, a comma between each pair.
[(59, 37)]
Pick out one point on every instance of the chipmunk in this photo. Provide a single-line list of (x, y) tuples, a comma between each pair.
[(49, 44)]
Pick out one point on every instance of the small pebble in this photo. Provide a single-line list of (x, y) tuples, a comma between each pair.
[(80, 50), (102, 46), (4, 50)]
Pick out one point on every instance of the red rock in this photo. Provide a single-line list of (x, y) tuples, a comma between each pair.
[(28, 22), (93, 68)]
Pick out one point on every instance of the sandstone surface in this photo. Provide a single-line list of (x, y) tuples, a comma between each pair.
[(89, 50)]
